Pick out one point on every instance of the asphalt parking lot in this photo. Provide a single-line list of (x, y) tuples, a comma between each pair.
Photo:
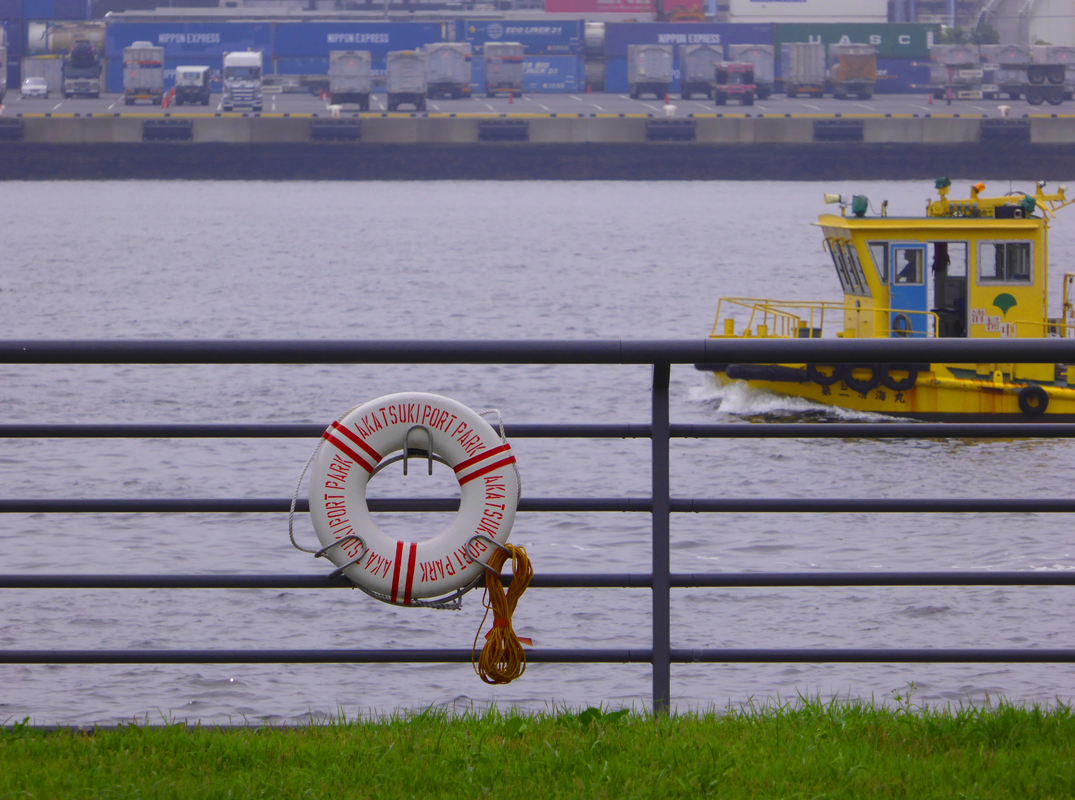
[(579, 103)]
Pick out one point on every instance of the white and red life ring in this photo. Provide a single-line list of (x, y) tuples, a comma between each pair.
[(404, 571)]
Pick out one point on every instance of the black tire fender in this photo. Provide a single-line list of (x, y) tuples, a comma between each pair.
[(825, 380), (863, 386), (901, 385), (1033, 400), (773, 373)]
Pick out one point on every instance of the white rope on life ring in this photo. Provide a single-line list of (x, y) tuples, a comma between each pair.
[(397, 571)]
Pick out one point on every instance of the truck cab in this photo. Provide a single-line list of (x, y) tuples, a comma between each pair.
[(192, 85), (242, 80), (734, 79)]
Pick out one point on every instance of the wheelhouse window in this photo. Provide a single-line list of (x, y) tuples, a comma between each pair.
[(848, 268), (907, 262), (879, 254), (1005, 262), (855, 268)]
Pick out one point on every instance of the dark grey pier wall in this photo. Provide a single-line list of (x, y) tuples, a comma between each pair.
[(549, 148)]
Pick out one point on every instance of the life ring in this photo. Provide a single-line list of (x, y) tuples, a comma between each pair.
[(903, 384), (901, 326), (863, 386), (825, 380), (401, 571), (1033, 400)]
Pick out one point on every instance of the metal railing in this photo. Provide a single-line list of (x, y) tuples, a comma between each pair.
[(659, 505)]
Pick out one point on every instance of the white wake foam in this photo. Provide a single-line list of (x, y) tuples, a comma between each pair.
[(740, 399)]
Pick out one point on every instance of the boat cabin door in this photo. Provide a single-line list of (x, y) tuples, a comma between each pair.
[(908, 304)]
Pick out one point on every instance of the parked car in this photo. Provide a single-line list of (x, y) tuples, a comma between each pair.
[(35, 87)]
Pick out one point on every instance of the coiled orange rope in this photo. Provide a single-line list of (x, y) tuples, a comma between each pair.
[(502, 659)]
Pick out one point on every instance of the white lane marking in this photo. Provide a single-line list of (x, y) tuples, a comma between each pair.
[(546, 108), (576, 98), (435, 106), (488, 106), (870, 108), (647, 105), (57, 105), (816, 108), (598, 107), (113, 105), (702, 105)]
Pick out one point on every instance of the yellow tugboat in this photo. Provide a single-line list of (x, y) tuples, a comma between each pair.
[(974, 268)]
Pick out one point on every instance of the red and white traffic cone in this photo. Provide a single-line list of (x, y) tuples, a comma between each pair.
[(511, 98), (930, 99)]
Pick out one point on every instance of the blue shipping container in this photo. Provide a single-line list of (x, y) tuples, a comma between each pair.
[(10, 10), (541, 74), (553, 74), (317, 39), (541, 38), (184, 43), (39, 9), (190, 40), (71, 9), (896, 75), (620, 34), (299, 66)]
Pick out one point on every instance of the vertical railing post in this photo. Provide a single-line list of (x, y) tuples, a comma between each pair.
[(662, 667)]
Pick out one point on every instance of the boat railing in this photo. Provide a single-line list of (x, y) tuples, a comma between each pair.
[(1055, 327), (774, 319), (933, 321), (659, 503)]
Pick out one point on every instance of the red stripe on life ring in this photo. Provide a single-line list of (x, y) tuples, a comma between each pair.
[(410, 574), (372, 453), (479, 472), (348, 452), (395, 574), (470, 462)]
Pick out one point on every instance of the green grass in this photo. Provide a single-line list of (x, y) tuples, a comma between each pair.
[(808, 749)]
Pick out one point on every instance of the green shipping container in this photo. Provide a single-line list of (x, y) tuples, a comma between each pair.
[(892, 40)]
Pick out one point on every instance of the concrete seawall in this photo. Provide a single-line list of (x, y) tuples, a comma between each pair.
[(536, 146)]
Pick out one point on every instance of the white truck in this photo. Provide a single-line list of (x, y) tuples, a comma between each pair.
[(649, 70), (143, 73), (802, 68), (697, 68), (242, 80), (448, 68), (406, 79), (350, 78), (504, 68)]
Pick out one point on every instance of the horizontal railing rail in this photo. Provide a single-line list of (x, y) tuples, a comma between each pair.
[(660, 504), (571, 580)]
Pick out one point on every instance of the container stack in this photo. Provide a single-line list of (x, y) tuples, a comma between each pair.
[(553, 51)]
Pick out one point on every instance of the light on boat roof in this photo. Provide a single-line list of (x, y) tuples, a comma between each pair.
[(833, 198)]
